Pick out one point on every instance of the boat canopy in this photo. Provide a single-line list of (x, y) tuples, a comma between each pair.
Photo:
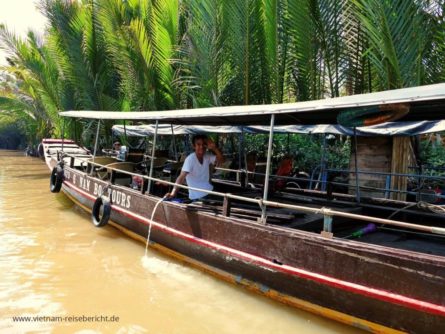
[(424, 103), (170, 129), (385, 129)]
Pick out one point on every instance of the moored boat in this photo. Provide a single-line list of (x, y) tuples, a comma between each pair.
[(51, 149), (286, 247)]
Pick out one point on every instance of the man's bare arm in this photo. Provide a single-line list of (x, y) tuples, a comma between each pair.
[(179, 180)]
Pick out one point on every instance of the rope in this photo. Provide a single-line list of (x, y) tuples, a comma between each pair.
[(400, 210), (151, 220), (439, 209), (104, 189)]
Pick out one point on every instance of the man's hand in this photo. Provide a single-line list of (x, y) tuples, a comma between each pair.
[(179, 180), (170, 195), (211, 144)]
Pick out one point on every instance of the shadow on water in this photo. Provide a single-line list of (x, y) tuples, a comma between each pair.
[(24, 162), (36, 176)]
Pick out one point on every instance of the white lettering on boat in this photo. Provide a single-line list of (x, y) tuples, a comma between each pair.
[(119, 198), (84, 183), (97, 189)]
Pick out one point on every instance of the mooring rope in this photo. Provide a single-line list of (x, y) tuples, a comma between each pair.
[(151, 220), (410, 205), (439, 209)]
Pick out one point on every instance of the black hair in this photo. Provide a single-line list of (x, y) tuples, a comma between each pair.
[(197, 137)]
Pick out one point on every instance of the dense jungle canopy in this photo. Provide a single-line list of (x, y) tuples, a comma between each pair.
[(167, 54)]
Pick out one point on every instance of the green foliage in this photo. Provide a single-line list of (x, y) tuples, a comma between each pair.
[(306, 150), (433, 154), (166, 54), (11, 133), (399, 41)]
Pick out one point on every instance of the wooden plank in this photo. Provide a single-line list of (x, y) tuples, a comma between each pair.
[(402, 158), (374, 155)]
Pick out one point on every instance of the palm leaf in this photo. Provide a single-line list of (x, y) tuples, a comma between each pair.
[(397, 38)]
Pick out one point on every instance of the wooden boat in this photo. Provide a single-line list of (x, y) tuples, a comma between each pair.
[(286, 246), (50, 150)]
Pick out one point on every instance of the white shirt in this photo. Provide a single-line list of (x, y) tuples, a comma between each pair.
[(198, 174)]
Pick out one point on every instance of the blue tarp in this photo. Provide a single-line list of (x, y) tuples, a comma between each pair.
[(384, 129)]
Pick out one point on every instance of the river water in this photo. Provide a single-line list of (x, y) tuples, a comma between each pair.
[(60, 274)]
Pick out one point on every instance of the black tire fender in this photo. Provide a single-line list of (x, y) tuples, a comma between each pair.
[(97, 219), (40, 151), (56, 179)]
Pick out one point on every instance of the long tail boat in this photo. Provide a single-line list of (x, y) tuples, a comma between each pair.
[(292, 247)]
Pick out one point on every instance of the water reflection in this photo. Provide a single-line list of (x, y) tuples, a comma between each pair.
[(55, 263)]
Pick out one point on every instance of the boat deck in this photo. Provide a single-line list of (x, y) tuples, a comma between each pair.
[(343, 228)]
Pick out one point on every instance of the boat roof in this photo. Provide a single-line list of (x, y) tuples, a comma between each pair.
[(384, 129), (425, 102)]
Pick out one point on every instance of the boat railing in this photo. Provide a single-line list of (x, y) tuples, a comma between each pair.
[(420, 193), (322, 181), (326, 212)]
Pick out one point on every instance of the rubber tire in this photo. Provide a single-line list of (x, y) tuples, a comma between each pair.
[(56, 179), (40, 151), (95, 214)]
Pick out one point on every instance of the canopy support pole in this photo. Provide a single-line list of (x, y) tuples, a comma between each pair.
[(153, 151), (125, 133), (323, 165), (269, 161), (95, 146), (243, 176), (174, 143), (357, 185), (76, 135), (63, 135), (97, 139), (288, 143)]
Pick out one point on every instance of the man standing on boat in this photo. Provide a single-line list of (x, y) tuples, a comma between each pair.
[(196, 168)]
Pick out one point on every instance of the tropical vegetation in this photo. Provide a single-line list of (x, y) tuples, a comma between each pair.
[(166, 54)]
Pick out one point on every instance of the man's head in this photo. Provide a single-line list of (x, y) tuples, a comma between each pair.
[(199, 145), (199, 137)]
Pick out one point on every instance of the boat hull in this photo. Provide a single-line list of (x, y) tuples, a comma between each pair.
[(372, 287)]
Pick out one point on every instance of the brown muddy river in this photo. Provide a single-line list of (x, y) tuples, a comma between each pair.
[(60, 274)]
